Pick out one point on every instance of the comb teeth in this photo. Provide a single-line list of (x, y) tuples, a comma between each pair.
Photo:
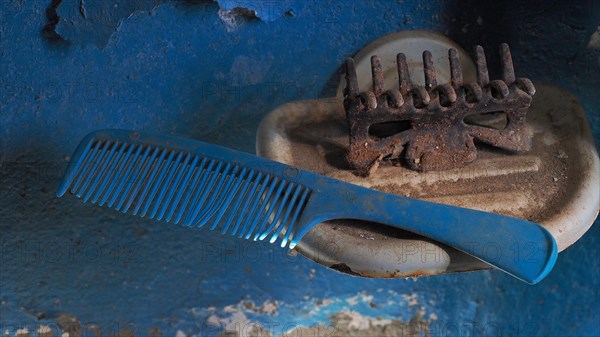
[(187, 188)]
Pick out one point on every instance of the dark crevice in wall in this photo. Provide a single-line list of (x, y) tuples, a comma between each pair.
[(52, 19)]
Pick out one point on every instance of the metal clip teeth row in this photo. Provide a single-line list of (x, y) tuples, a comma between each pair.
[(447, 93)]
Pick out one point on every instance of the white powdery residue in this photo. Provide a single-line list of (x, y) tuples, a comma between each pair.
[(314, 331), (380, 322), (355, 321), (358, 321), (213, 320), (22, 332), (44, 329), (366, 298), (180, 333), (233, 323), (230, 19), (198, 312), (316, 308), (411, 300), (360, 297), (433, 317), (326, 302), (230, 309), (239, 319), (269, 308), (352, 300)]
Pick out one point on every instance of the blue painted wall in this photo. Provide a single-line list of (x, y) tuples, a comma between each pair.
[(187, 68)]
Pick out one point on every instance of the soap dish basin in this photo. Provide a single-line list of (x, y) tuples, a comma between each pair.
[(555, 184)]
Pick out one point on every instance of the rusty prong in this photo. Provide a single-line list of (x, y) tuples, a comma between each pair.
[(473, 92), (456, 76), (429, 71), (403, 75), (352, 89), (508, 70), (377, 75), (449, 94), (483, 76), (395, 99), (369, 99), (525, 85), (422, 95), (500, 87)]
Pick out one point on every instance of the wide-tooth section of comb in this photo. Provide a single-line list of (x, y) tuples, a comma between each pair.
[(185, 187)]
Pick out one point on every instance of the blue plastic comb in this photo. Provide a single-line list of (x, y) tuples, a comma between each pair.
[(196, 184)]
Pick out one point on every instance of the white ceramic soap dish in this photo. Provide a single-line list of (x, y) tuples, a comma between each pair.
[(555, 184)]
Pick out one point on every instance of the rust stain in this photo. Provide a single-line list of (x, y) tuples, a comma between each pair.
[(342, 267), (433, 127)]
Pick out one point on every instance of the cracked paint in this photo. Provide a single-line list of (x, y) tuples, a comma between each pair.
[(349, 316), (235, 18), (268, 11), (353, 315), (94, 21)]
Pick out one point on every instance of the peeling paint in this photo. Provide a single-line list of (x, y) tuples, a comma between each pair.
[(22, 333), (235, 18), (346, 316), (267, 11), (234, 318), (344, 323), (93, 21), (411, 299), (360, 297), (351, 323)]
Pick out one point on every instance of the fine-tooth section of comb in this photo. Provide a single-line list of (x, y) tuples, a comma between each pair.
[(185, 187)]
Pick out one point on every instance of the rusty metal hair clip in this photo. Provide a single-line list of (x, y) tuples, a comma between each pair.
[(433, 127)]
